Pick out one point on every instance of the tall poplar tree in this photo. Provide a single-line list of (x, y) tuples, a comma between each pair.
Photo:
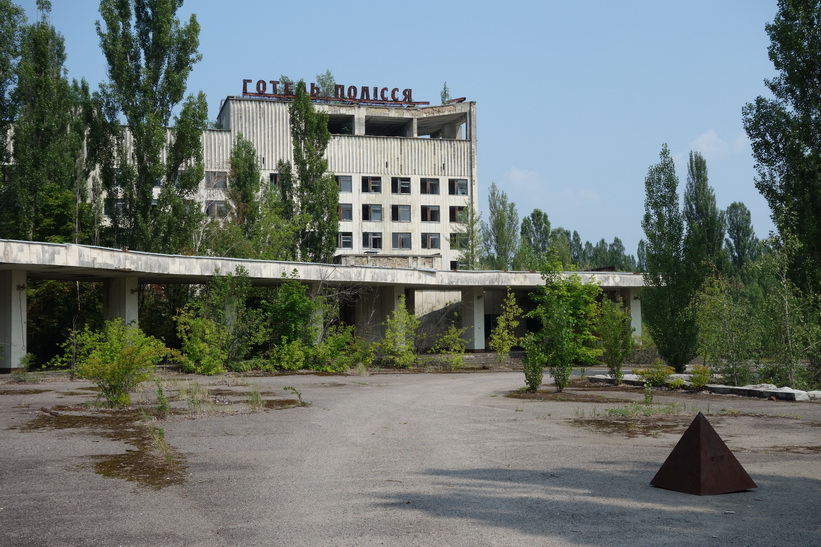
[(12, 20), (785, 133), (309, 192), (501, 232), (46, 194), (669, 286), (741, 243), (150, 55), (704, 222)]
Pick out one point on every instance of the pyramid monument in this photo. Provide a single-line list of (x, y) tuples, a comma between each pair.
[(701, 464)]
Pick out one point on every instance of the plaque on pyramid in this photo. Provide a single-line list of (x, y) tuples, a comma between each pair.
[(701, 464)]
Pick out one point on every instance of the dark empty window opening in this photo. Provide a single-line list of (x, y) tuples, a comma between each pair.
[(216, 179), (371, 212), (372, 184), (458, 187), (456, 213), (400, 185), (401, 213), (372, 240), (430, 241), (429, 186), (339, 124), (345, 211), (401, 240), (430, 213)]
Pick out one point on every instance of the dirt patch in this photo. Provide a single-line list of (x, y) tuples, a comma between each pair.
[(152, 463), (278, 404), (566, 397), (648, 426), (29, 391)]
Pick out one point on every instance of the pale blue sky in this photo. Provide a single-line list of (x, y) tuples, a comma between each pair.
[(574, 99)]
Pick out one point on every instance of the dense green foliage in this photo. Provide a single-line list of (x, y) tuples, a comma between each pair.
[(310, 195), (615, 335), (566, 313), (503, 337), (501, 232), (670, 282), (397, 347), (150, 54), (785, 133), (117, 359)]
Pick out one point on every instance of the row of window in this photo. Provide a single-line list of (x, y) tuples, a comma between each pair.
[(402, 185), (399, 213), (399, 240)]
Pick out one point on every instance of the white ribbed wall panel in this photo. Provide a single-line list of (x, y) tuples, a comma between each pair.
[(396, 155), (216, 149)]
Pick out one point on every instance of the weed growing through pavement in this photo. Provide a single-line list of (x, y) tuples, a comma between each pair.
[(634, 409), (296, 392), (254, 398)]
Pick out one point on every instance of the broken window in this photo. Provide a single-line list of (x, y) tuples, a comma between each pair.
[(216, 179), (345, 211), (456, 213), (430, 241), (372, 240), (345, 240), (400, 185), (401, 213), (430, 213), (372, 184), (371, 212), (458, 187), (401, 240), (429, 186)]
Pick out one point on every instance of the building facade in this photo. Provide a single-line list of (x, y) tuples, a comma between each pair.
[(405, 172)]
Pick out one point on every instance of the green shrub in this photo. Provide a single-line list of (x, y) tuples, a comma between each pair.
[(615, 336), (657, 375), (533, 363), (700, 377), (118, 359), (675, 383), (333, 353), (451, 347), (203, 343), (396, 349), (290, 355)]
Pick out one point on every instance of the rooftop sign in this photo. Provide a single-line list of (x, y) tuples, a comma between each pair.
[(274, 89)]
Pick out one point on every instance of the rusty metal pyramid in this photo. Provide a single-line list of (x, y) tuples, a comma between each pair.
[(701, 464)]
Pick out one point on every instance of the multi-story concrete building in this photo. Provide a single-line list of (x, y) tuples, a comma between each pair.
[(405, 171)]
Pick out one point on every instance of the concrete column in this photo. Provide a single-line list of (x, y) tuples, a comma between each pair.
[(374, 309), (473, 317), (12, 318), (359, 122), (121, 299), (634, 303)]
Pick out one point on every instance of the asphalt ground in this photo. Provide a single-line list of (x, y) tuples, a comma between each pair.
[(396, 459)]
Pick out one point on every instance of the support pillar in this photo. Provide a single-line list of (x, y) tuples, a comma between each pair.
[(473, 318), (374, 309), (13, 308), (122, 299), (635, 310)]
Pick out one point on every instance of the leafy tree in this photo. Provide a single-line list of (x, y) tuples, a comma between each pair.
[(566, 312), (501, 233), (616, 336), (396, 349), (536, 237), (466, 238), (326, 83), (785, 133), (445, 94), (46, 194), (741, 243), (641, 256), (290, 313), (503, 337), (244, 184), (728, 332), (150, 55), (669, 286), (12, 19), (561, 247), (704, 237), (309, 192)]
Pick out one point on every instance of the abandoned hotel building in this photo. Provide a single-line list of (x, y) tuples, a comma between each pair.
[(406, 171)]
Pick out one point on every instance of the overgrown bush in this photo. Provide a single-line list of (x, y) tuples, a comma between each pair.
[(533, 363), (451, 347), (289, 355), (657, 375), (117, 359), (503, 337), (615, 336), (396, 349), (333, 353), (204, 343), (700, 377)]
